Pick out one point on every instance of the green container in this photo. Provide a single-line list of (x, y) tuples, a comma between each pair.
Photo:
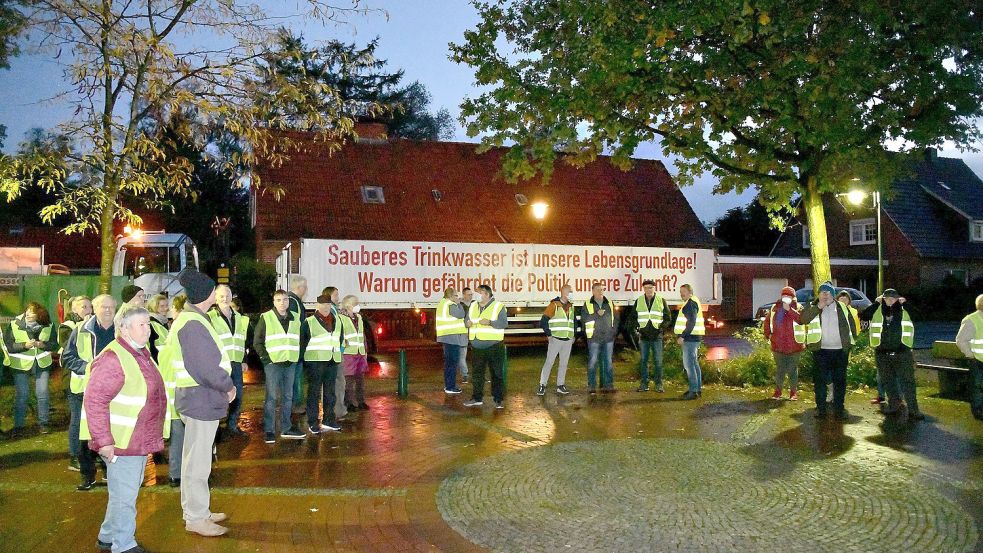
[(45, 289)]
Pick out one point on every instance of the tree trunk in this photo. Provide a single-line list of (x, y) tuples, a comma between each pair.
[(812, 200), (107, 236)]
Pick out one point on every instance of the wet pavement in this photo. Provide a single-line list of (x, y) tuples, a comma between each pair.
[(629, 471)]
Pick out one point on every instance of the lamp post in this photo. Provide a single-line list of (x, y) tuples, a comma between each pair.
[(856, 197)]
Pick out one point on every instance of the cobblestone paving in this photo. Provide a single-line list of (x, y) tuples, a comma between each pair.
[(693, 495)]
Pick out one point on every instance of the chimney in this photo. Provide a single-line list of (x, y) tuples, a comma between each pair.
[(370, 132), (931, 154)]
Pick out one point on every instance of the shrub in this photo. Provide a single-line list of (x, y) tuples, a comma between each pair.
[(254, 283)]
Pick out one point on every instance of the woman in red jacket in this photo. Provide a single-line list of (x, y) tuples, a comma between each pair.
[(780, 327)]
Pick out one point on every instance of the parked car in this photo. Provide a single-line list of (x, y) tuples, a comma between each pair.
[(805, 296)]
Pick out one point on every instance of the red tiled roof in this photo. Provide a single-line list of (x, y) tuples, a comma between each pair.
[(596, 205), (77, 252)]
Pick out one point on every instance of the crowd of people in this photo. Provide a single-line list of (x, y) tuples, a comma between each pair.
[(155, 370)]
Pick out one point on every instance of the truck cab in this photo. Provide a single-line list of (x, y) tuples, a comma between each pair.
[(154, 259)]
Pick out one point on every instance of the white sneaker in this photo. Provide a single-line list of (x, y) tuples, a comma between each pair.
[(205, 527)]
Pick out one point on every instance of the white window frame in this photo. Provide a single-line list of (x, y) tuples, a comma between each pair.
[(864, 223), (976, 231), (805, 236)]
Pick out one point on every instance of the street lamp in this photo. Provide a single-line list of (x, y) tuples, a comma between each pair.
[(857, 196), (539, 210)]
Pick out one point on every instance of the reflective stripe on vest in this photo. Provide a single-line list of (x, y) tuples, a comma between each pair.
[(353, 338), (877, 329), (976, 343), (171, 359), (323, 345), (485, 333), (648, 316), (125, 407), (561, 323), (234, 342), (25, 360), (282, 347), (448, 325), (799, 331), (814, 334), (589, 324), (699, 329)]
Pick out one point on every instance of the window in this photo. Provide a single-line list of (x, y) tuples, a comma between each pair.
[(959, 275), (373, 195), (976, 231), (140, 260), (805, 237), (863, 231)]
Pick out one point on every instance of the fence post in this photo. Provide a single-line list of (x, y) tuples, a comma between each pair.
[(402, 382)]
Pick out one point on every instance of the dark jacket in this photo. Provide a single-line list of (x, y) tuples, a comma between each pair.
[(891, 332), (605, 326), (65, 331), (847, 326), (209, 400)]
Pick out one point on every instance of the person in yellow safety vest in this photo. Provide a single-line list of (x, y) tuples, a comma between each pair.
[(355, 362), (786, 337), (844, 298), (340, 411), (487, 320), (830, 335), (84, 344), (970, 342), (158, 306), (690, 329), (298, 290), (601, 328), (652, 317), (451, 334), (126, 419), (276, 340), (557, 323), (320, 347), (892, 335), (30, 340), (232, 327), (80, 309), (201, 373)]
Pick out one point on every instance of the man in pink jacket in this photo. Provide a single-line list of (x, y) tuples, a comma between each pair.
[(779, 327), (125, 407)]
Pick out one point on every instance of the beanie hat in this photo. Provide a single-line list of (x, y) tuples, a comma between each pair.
[(129, 291), (324, 298), (827, 287), (891, 293), (197, 285), (788, 291)]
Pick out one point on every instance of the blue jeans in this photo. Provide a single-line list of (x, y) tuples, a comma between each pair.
[(299, 400), (607, 374), (463, 361), (452, 359), (120, 525), (21, 393), (235, 408), (279, 385), (653, 348), (74, 422), (691, 363)]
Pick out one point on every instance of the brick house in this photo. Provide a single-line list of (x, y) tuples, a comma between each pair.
[(932, 228)]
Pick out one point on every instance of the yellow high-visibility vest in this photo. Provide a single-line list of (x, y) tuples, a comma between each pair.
[(448, 325), (233, 340), (282, 346), (799, 331), (589, 324), (648, 316), (353, 337), (976, 344), (561, 323), (323, 345), (699, 329), (25, 360), (486, 333)]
